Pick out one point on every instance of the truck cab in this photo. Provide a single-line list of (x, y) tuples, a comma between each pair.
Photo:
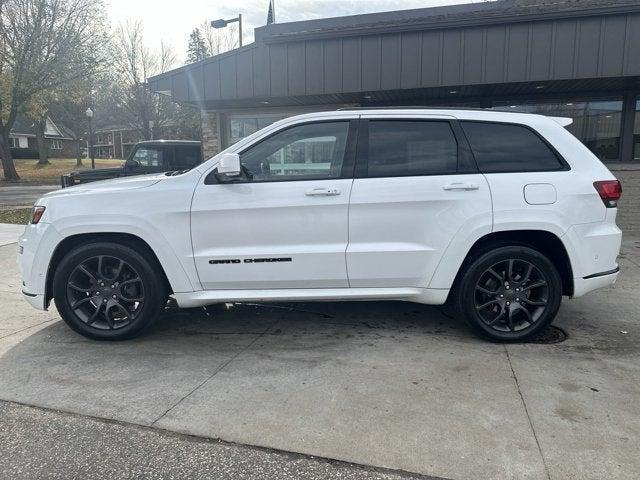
[(152, 156)]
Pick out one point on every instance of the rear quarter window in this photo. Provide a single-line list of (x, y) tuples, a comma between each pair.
[(499, 148)]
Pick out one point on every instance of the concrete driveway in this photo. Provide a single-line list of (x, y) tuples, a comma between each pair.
[(386, 384), (9, 233)]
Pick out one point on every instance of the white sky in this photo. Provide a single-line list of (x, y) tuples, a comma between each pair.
[(171, 21)]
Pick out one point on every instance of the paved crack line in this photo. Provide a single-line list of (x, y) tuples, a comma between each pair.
[(215, 372), (26, 328), (287, 454), (526, 411)]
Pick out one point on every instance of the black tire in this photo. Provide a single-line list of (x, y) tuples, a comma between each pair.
[(515, 307), (96, 303)]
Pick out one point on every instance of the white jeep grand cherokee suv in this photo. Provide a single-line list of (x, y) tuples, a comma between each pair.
[(499, 214)]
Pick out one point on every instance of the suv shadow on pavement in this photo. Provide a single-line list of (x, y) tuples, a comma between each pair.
[(387, 384)]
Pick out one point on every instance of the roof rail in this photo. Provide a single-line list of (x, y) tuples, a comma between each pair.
[(413, 107)]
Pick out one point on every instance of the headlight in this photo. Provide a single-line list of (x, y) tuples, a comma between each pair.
[(36, 214)]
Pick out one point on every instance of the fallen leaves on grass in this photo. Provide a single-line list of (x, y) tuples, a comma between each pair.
[(19, 216)]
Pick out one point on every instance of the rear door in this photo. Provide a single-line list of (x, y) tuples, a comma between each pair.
[(416, 187)]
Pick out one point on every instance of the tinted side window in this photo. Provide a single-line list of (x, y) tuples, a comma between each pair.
[(311, 151), (187, 156), (501, 148), (405, 148)]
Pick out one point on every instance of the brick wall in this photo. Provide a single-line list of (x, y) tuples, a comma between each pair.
[(629, 208), (211, 143), (69, 149)]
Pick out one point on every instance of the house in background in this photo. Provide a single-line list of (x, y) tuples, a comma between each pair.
[(62, 141), (116, 141)]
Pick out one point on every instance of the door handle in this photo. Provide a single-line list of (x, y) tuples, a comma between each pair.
[(322, 192), (461, 186)]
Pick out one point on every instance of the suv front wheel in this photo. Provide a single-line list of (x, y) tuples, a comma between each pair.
[(107, 291), (509, 294)]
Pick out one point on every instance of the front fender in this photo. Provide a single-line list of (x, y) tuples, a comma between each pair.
[(179, 269)]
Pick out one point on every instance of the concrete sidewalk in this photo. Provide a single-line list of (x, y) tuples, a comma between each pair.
[(9, 233), (386, 384)]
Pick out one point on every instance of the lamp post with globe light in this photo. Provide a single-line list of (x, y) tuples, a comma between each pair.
[(89, 114)]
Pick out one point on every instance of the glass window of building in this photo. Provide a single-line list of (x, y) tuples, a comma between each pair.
[(596, 123), (240, 126)]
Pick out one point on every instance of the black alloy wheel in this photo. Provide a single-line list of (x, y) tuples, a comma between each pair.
[(510, 293), (109, 291), (105, 292)]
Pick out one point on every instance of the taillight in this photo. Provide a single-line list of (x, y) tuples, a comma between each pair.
[(609, 191)]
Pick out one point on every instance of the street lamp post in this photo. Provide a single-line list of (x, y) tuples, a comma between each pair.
[(89, 114), (223, 23)]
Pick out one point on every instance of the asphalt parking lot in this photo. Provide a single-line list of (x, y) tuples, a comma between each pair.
[(385, 384), (23, 195)]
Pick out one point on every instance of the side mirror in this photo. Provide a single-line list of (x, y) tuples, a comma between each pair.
[(132, 164), (229, 165)]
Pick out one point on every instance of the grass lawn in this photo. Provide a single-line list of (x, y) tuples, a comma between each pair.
[(18, 216), (30, 172)]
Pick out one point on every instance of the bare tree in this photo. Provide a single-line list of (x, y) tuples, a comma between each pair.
[(69, 109), (43, 45), (145, 111), (220, 40)]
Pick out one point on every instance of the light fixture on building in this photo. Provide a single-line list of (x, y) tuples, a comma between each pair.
[(452, 92), (221, 23), (367, 97), (539, 87), (569, 104), (264, 102)]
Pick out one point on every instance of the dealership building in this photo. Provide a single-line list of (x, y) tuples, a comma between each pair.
[(569, 58)]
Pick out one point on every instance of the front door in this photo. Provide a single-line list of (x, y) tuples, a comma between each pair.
[(416, 188), (284, 223)]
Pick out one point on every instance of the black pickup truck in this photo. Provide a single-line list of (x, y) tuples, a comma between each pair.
[(152, 156)]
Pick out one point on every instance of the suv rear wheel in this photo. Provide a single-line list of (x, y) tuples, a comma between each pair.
[(509, 294), (107, 291)]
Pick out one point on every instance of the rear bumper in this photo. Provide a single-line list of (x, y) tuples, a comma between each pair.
[(584, 285)]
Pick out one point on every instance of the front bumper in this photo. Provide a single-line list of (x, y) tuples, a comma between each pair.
[(35, 300), (37, 244)]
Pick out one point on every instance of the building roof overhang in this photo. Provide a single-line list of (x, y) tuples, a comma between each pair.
[(501, 48)]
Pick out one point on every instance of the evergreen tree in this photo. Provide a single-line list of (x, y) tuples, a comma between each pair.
[(197, 49)]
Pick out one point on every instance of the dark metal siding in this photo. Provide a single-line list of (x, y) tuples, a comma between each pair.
[(579, 48)]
